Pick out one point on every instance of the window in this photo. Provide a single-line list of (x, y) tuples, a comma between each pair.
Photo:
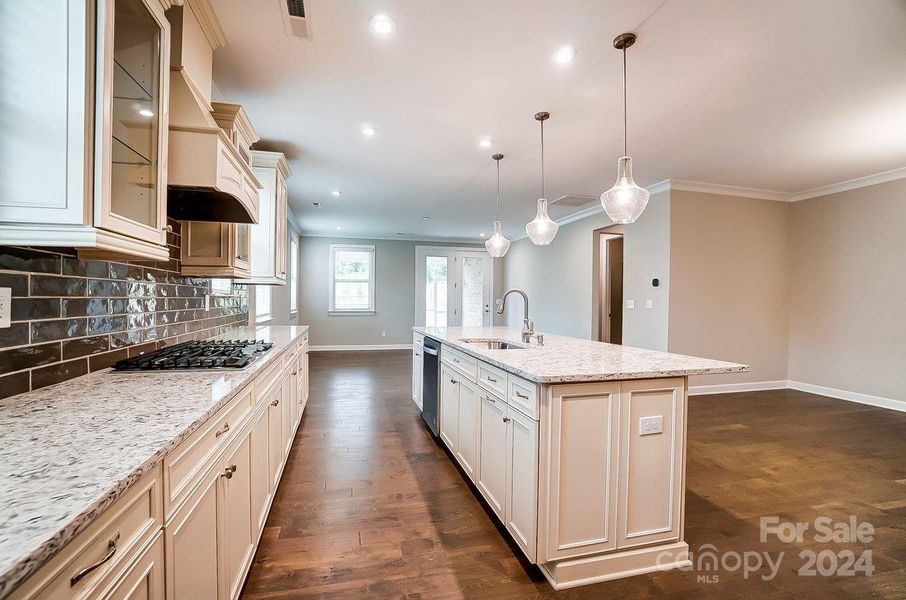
[(262, 303), (351, 279), (293, 275)]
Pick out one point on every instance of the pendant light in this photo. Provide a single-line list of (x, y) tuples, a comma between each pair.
[(497, 245), (542, 229), (625, 201)]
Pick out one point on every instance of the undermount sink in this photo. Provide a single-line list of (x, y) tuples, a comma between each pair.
[(495, 344)]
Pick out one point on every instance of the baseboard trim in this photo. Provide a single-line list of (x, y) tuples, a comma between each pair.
[(858, 397), (354, 347), (732, 388), (754, 386)]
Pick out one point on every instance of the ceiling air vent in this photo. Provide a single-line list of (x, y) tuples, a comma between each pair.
[(316, 204), (295, 21)]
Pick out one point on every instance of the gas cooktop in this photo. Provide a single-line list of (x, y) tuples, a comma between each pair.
[(222, 354)]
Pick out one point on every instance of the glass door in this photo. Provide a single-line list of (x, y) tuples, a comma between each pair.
[(133, 53), (453, 287)]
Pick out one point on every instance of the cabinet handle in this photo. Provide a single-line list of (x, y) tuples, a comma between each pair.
[(523, 396), (111, 550), (168, 229), (228, 472), (453, 381), (456, 360), (275, 403), (294, 372), (491, 400), (506, 419), (491, 379), (226, 427)]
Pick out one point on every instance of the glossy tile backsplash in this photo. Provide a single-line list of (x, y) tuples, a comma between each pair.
[(71, 316)]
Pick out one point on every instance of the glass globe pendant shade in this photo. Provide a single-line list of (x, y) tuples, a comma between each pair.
[(625, 201), (497, 245), (542, 229)]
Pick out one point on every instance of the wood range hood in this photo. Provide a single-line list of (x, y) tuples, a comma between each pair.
[(209, 175)]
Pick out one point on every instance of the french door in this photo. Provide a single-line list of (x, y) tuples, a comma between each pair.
[(453, 286)]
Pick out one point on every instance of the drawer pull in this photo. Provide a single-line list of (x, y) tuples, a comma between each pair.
[(294, 372), (228, 472), (491, 400), (456, 360), (491, 379), (518, 395), (453, 381), (111, 550), (226, 427), (506, 419), (275, 402)]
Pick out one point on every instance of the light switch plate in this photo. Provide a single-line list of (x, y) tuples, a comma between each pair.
[(651, 425), (649, 304), (5, 306), (630, 303)]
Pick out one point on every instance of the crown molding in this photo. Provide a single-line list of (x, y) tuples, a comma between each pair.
[(850, 184), (684, 185), (207, 19), (395, 238)]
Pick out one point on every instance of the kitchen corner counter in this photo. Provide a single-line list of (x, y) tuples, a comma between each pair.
[(71, 449), (571, 360)]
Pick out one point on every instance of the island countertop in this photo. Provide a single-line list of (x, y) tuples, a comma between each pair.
[(71, 449), (569, 360)]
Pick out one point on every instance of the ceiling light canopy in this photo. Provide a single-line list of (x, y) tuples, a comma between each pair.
[(368, 130), (336, 193), (542, 229), (564, 55), (625, 201), (497, 245), (382, 25)]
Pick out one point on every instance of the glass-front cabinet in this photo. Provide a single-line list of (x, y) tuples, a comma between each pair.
[(132, 121), (84, 133)]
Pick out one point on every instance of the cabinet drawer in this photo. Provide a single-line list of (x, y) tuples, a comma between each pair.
[(183, 467), (492, 379), (120, 534), (266, 380), (523, 396), (460, 361)]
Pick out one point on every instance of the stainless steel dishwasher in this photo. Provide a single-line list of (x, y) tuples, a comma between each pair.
[(430, 377)]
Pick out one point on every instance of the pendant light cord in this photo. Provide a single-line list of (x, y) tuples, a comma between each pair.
[(542, 158), (498, 190), (624, 103)]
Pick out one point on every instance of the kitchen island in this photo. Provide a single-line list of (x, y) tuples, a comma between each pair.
[(578, 447), (105, 472)]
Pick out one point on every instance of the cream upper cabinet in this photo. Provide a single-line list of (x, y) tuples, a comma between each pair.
[(212, 249), (85, 146), (268, 236)]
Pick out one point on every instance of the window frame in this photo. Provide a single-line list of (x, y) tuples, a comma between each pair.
[(261, 318), (293, 275), (332, 281)]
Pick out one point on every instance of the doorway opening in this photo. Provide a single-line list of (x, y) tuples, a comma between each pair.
[(453, 286), (607, 301)]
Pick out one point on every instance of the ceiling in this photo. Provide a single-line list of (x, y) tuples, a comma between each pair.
[(782, 95)]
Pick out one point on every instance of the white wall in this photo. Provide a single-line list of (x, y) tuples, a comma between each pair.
[(394, 295), (559, 278)]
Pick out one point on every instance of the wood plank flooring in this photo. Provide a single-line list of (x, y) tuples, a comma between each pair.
[(371, 507)]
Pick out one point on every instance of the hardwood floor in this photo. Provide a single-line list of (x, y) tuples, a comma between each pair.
[(371, 507)]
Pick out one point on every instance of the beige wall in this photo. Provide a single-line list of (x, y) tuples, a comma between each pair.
[(729, 285), (559, 278), (848, 298)]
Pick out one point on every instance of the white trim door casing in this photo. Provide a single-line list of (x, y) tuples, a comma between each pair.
[(454, 256)]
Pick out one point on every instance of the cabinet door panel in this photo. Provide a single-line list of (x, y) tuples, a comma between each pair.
[(579, 514), (417, 365), (260, 474), (492, 457), (289, 397), (449, 409), (191, 545), (522, 481), (469, 406), (651, 464), (275, 434), (236, 518)]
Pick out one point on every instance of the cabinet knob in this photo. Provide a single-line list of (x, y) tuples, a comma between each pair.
[(294, 372), (275, 403), (168, 229), (453, 381), (506, 419), (228, 472)]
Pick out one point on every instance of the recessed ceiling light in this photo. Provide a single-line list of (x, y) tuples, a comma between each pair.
[(146, 113), (368, 130), (563, 55), (336, 193), (426, 218), (381, 24), (339, 228), (485, 142)]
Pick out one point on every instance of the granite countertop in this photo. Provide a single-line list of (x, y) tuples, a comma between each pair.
[(565, 359), (71, 449)]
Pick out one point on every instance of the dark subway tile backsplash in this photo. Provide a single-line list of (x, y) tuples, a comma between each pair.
[(72, 316)]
